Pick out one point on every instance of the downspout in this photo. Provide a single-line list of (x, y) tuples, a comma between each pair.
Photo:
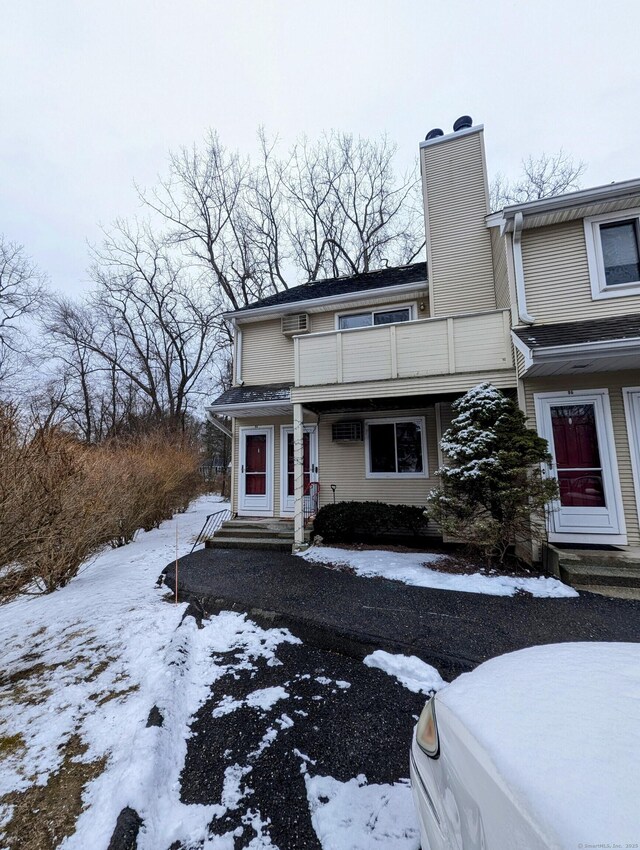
[(518, 268), (216, 422), (238, 353)]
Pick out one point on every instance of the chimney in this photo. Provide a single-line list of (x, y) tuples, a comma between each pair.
[(456, 201)]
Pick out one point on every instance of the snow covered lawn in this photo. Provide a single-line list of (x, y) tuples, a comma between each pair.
[(413, 568), (84, 667)]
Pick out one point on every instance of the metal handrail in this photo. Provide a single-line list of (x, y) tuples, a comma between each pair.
[(310, 501), (211, 524)]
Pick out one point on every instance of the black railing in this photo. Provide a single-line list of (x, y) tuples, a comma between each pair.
[(211, 524), (310, 501)]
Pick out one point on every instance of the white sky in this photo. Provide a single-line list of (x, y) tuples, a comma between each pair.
[(93, 93)]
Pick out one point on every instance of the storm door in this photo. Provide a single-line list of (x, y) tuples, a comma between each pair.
[(578, 429), (287, 484), (255, 490)]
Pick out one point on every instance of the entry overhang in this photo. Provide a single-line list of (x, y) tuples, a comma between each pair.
[(601, 345)]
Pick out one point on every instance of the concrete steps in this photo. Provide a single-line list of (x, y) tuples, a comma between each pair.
[(274, 544), (276, 535), (606, 571)]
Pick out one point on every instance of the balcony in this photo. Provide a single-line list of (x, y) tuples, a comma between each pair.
[(469, 343)]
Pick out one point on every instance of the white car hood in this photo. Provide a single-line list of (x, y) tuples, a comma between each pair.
[(559, 726)]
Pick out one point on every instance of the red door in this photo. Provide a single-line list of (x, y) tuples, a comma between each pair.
[(255, 486), (306, 464), (575, 438), (256, 464)]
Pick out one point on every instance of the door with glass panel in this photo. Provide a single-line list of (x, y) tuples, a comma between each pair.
[(579, 431), (255, 485), (310, 467)]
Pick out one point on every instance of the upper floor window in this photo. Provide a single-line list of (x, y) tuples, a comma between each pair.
[(368, 318), (613, 251)]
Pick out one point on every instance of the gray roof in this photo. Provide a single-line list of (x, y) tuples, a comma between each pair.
[(366, 282), (255, 394), (579, 333)]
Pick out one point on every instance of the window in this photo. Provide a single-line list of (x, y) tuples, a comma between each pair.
[(613, 251), (374, 317), (620, 252), (395, 448)]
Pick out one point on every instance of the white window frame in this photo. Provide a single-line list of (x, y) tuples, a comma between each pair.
[(595, 259), (411, 306), (400, 476)]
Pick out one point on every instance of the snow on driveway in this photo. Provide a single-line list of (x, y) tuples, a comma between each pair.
[(92, 659), (412, 568)]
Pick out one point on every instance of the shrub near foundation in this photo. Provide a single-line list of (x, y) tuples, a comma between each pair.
[(369, 522)]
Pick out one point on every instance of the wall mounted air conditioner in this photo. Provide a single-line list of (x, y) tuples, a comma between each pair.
[(347, 432), (296, 323)]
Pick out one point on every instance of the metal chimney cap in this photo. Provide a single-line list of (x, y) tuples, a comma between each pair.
[(463, 123), (433, 134)]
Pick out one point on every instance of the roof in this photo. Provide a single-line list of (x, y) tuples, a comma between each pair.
[(365, 282), (255, 394), (580, 333), (570, 205)]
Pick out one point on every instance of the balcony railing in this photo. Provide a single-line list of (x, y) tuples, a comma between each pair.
[(472, 342)]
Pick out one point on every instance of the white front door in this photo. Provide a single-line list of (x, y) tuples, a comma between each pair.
[(255, 484), (287, 498), (577, 425), (631, 397)]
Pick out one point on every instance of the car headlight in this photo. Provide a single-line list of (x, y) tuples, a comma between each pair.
[(427, 730)]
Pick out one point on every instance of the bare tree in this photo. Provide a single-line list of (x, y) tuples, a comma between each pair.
[(542, 177), (329, 208), (22, 288), (150, 331)]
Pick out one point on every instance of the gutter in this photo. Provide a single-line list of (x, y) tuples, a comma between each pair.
[(610, 191), (521, 295)]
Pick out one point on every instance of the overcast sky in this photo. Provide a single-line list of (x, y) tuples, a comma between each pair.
[(94, 93)]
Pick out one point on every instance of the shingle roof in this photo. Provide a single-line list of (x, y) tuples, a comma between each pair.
[(576, 333), (415, 273), (253, 394)]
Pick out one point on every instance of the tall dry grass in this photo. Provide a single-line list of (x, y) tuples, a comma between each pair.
[(61, 501)]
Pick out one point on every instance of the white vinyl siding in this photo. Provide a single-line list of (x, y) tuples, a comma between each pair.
[(557, 279), (500, 273), (344, 465), (267, 354), (434, 385), (458, 241)]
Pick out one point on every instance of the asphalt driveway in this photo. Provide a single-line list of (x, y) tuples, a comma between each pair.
[(335, 610)]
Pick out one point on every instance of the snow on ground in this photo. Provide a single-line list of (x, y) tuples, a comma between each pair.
[(409, 670), (104, 650), (356, 816), (92, 660), (412, 568)]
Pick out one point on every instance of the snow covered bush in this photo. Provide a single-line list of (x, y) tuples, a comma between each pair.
[(369, 522), (61, 500), (492, 485)]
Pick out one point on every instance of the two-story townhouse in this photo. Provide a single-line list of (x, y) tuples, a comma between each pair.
[(343, 387)]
